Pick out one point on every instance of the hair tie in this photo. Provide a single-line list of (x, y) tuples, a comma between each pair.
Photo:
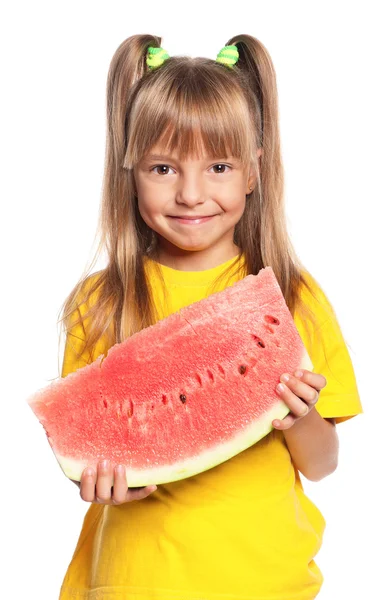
[(228, 55), (156, 57)]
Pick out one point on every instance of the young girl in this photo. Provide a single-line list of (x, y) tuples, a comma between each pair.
[(192, 202)]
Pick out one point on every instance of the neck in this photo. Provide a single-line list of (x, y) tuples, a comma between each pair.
[(182, 260)]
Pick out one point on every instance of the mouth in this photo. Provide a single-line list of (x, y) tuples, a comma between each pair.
[(190, 216), (185, 220)]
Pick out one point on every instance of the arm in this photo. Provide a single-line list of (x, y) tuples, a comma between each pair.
[(312, 440), (314, 445)]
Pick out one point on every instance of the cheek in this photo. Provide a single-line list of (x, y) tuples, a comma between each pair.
[(146, 205), (234, 203), (150, 211), (144, 211)]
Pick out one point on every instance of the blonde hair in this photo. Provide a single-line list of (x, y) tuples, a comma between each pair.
[(189, 104)]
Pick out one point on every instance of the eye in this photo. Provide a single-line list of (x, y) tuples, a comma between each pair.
[(220, 165), (166, 169), (161, 167)]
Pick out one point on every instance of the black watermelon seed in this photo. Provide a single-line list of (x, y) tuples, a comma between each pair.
[(183, 398), (242, 369), (260, 343)]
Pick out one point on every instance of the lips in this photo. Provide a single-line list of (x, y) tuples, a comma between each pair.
[(192, 221), (187, 217)]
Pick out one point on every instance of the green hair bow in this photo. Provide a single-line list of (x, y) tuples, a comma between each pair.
[(228, 56)]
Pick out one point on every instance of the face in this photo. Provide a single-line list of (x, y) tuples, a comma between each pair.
[(193, 205)]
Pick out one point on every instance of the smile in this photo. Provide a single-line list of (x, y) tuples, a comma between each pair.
[(191, 221)]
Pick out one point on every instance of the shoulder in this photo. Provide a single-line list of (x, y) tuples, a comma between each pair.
[(313, 295), (93, 279), (328, 350), (89, 289)]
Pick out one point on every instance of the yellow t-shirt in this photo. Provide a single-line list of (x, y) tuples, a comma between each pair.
[(243, 530)]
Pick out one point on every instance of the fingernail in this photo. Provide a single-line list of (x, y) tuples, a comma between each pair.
[(104, 464), (89, 472), (285, 377), (153, 488), (298, 373), (119, 469), (280, 387)]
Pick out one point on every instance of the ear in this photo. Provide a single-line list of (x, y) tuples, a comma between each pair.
[(252, 177)]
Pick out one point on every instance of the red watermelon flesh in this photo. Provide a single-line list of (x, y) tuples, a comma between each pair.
[(183, 395)]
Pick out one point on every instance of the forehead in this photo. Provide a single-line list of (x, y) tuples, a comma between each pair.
[(153, 155), (198, 152), (189, 144)]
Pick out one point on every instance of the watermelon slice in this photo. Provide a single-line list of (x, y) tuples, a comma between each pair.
[(183, 395)]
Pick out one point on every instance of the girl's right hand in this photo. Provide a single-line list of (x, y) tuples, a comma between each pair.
[(98, 488)]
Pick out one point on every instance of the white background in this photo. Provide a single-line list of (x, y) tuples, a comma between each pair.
[(332, 81)]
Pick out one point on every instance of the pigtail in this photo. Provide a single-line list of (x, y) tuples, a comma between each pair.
[(256, 62), (127, 236), (258, 80), (127, 68), (116, 302)]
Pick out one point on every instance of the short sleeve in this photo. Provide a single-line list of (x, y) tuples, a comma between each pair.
[(330, 357), (75, 339)]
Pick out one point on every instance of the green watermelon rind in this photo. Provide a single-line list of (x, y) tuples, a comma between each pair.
[(208, 459), (193, 465)]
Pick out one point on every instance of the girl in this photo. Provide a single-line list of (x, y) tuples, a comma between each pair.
[(192, 202)]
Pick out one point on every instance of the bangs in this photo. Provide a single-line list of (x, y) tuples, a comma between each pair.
[(194, 108)]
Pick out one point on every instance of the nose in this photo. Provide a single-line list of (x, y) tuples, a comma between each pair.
[(191, 190)]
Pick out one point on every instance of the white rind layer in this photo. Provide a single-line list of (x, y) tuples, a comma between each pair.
[(192, 466), (204, 461)]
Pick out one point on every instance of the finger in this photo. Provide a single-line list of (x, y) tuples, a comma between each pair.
[(104, 482), (285, 423), (302, 390), (296, 405), (120, 487), (87, 484), (140, 493), (316, 380)]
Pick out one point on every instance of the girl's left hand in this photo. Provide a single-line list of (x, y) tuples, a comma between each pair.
[(300, 394)]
